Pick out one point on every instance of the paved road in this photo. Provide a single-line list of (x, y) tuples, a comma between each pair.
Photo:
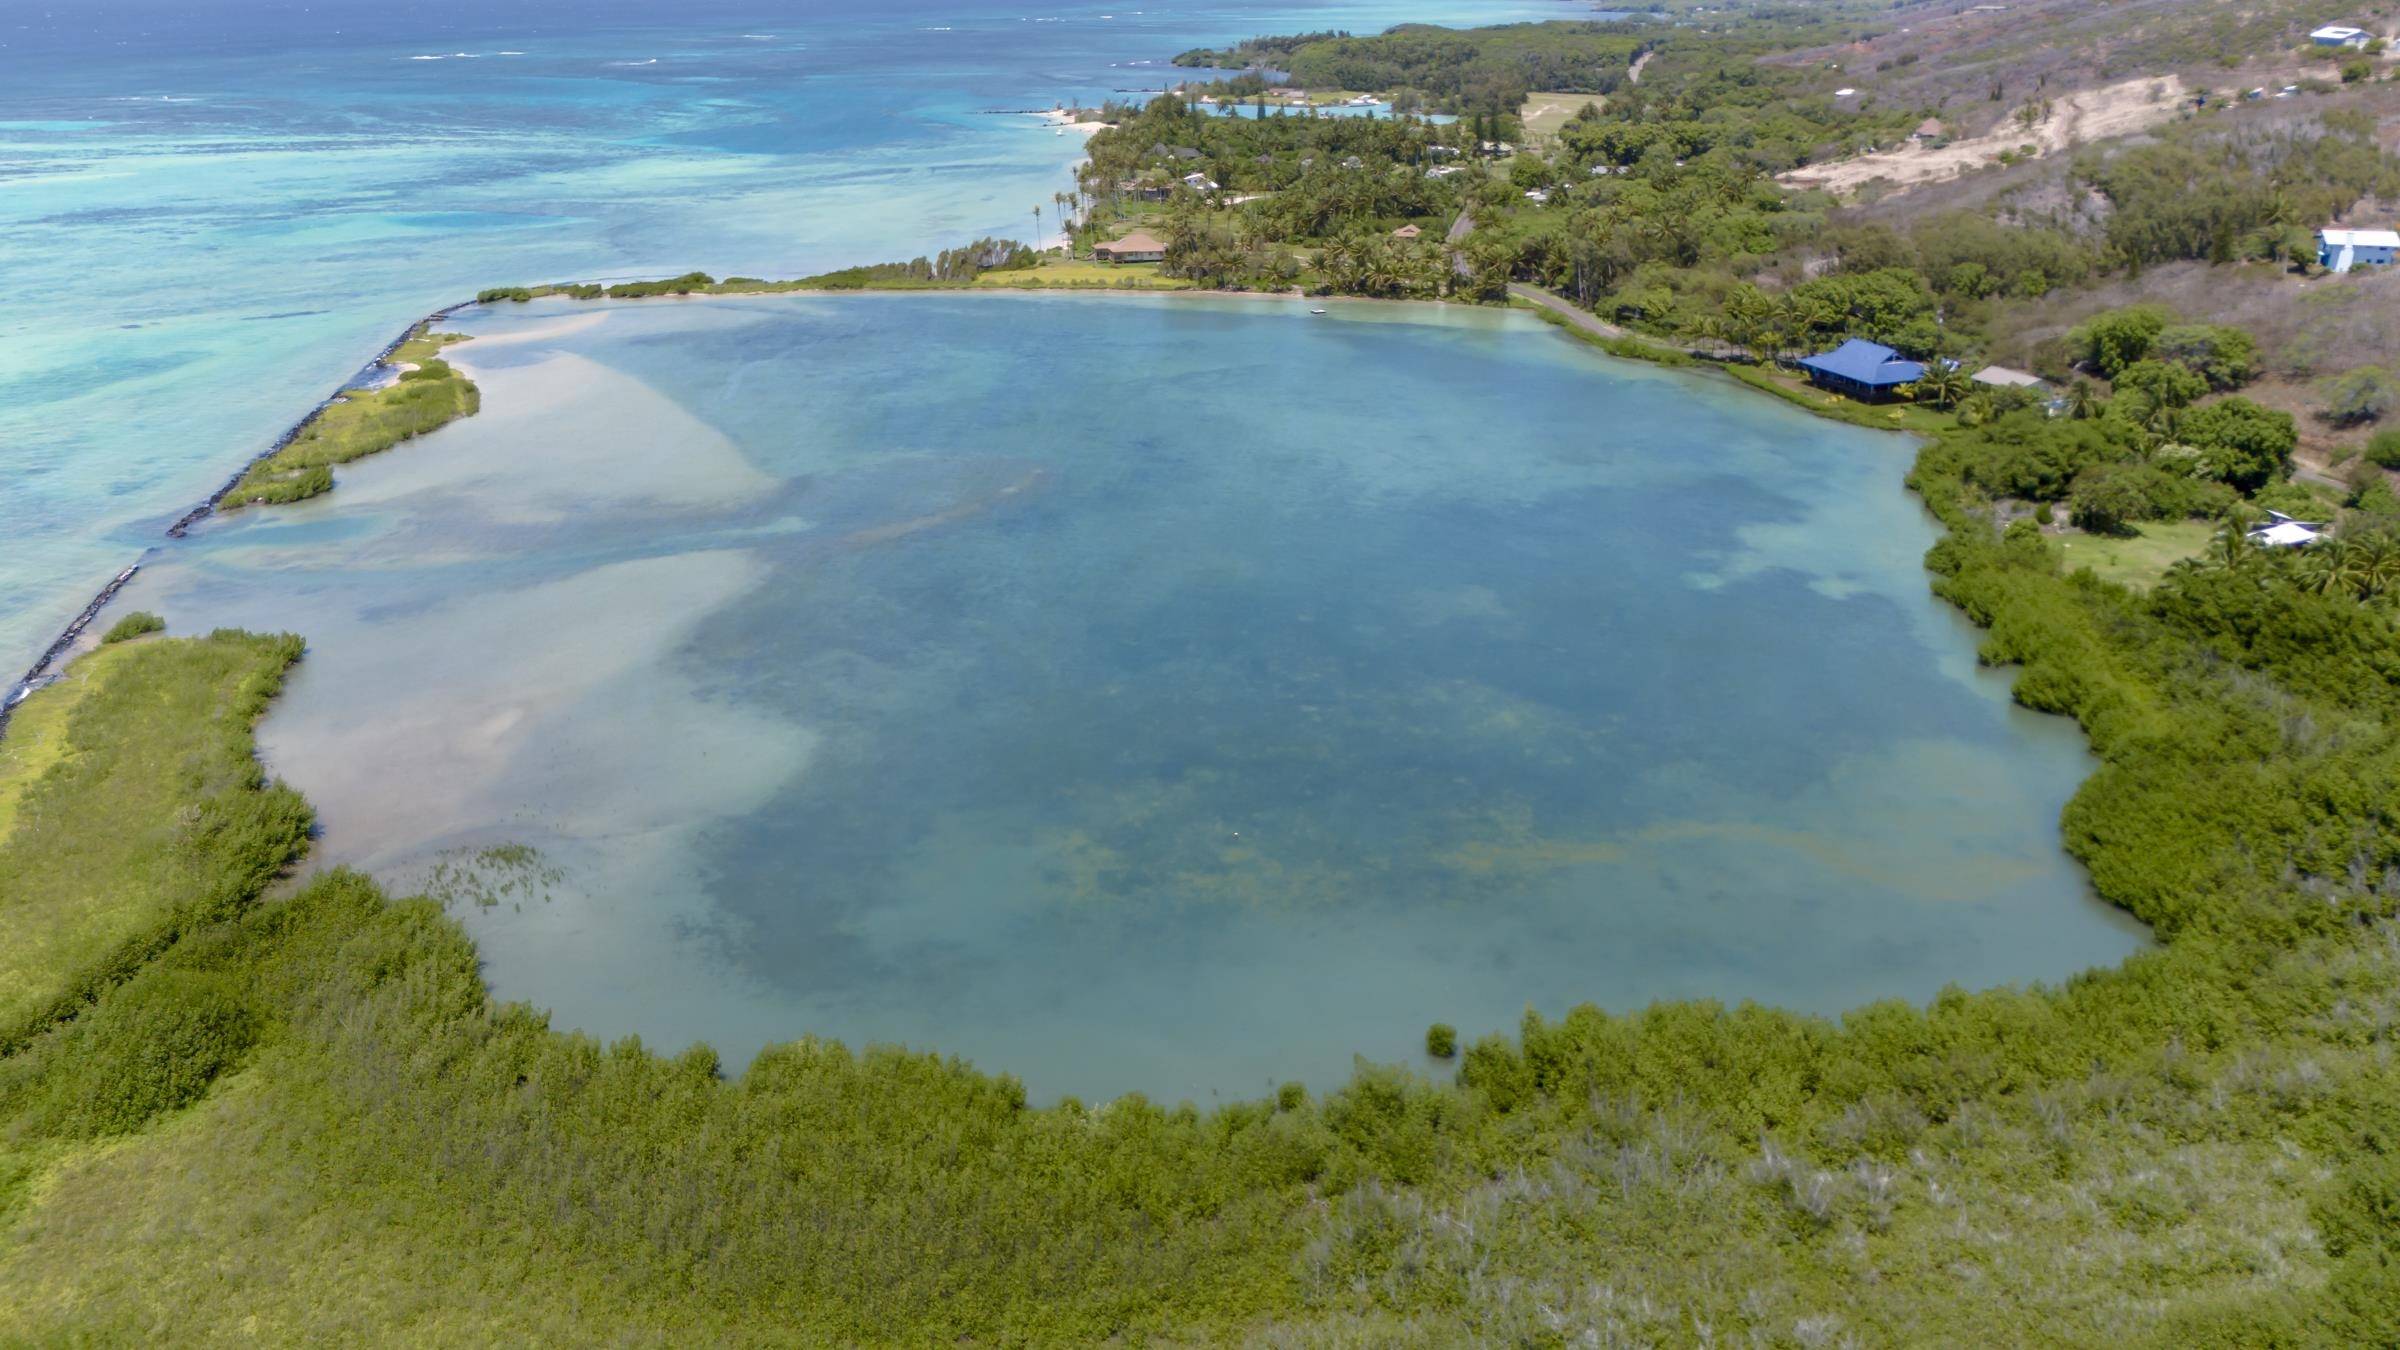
[(1594, 324), (1563, 308)]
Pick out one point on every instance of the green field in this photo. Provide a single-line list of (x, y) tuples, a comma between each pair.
[(1543, 114), (2141, 559)]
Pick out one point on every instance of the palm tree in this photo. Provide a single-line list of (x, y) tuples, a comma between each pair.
[(1942, 385), (2334, 567), (2379, 566), (2232, 549), (2083, 400)]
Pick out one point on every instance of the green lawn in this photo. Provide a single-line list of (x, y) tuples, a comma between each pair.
[(2138, 560), (1061, 273), (1883, 416)]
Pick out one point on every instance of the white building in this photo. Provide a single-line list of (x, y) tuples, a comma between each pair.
[(2001, 377), (2281, 531), (2339, 250), (2340, 35)]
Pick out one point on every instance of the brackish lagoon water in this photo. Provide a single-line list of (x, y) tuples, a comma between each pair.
[(1149, 693), (210, 214)]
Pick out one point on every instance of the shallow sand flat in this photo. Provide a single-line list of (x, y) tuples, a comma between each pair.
[(565, 690), (558, 437), (564, 326)]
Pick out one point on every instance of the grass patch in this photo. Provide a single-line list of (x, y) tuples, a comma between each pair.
[(1799, 392), (1543, 114), (37, 732), (364, 422), (135, 805), (2140, 559), (140, 623), (1086, 275)]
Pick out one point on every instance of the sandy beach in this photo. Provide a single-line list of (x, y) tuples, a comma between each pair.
[(1060, 117)]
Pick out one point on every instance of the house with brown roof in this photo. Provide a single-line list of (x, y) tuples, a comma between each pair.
[(1135, 247)]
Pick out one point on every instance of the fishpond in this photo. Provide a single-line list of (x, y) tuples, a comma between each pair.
[(1161, 693)]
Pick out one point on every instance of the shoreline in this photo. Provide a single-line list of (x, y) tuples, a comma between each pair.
[(54, 658)]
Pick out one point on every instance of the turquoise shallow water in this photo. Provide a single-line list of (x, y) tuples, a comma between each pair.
[(1168, 694), (210, 215)]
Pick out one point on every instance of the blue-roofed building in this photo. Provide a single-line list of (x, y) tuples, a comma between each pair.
[(1861, 369)]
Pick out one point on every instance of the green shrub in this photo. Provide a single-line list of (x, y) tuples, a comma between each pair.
[(2240, 442), (2362, 394), (1441, 1040), (2383, 448), (2111, 341), (2161, 384), (2225, 356), (2109, 498), (133, 625), (2292, 499), (151, 1047), (682, 285)]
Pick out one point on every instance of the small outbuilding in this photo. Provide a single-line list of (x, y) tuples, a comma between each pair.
[(1135, 247), (2339, 250), (1929, 131), (1862, 370), (2281, 531), (2340, 35), (1406, 232), (2001, 377)]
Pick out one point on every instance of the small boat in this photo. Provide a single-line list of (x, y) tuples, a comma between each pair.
[(1316, 311)]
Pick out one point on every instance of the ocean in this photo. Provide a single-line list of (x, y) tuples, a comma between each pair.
[(211, 215)]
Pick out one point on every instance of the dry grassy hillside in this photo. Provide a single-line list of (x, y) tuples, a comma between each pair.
[(1966, 56)]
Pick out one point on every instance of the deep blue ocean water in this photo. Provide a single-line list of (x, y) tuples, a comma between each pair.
[(210, 215)]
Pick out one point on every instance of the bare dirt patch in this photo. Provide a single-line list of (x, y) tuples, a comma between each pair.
[(2119, 109)]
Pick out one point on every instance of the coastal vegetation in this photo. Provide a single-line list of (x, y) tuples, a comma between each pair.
[(140, 623), (427, 394), (1488, 70), (2194, 1148), (2187, 1143)]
